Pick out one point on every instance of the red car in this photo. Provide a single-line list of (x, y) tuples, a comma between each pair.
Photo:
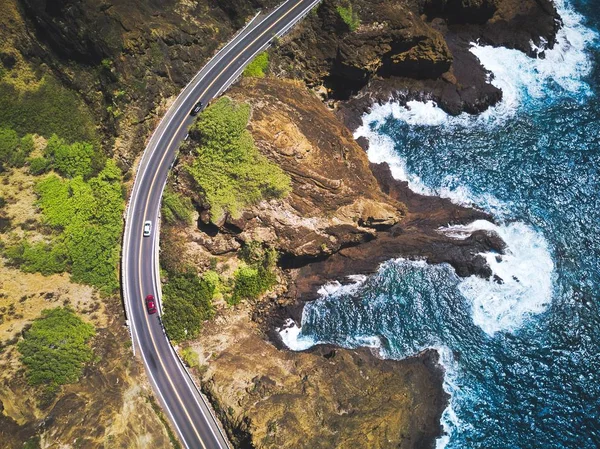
[(150, 304)]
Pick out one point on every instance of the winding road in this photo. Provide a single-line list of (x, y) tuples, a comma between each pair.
[(186, 408)]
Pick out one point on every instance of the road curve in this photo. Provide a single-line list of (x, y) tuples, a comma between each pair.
[(184, 405)]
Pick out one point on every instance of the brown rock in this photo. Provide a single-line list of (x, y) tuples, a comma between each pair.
[(324, 398)]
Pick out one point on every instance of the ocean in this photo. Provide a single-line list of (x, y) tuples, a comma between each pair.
[(521, 357)]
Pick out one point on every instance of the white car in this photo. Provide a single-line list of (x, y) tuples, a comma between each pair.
[(147, 228)]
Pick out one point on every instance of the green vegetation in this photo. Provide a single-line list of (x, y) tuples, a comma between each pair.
[(86, 217), (77, 159), (258, 66), (38, 257), (14, 151), (187, 302), (32, 443), (255, 278), (228, 168), (46, 109), (348, 16), (39, 165), (176, 209), (55, 348), (190, 357), (213, 279)]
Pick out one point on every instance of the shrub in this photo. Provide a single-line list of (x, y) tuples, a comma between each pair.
[(349, 17), (187, 302), (227, 167), (9, 141), (88, 216), (253, 280), (14, 151), (38, 257), (38, 165), (55, 348), (195, 290), (258, 66), (213, 279), (77, 159), (176, 209), (172, 251), (190, 357), (181, 319)]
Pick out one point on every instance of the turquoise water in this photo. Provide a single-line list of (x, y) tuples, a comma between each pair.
[(522, 358)]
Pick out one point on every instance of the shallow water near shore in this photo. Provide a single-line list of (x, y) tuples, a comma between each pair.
[(522, 357)]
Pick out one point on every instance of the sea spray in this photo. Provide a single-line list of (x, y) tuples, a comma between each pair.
[(525, 375), (521, 285)]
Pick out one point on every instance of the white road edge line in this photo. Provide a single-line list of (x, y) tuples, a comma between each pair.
[(143, 166), (151, 147)]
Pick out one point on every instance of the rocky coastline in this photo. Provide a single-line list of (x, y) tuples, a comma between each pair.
[(415, 50), (396, 223), (345, 216)]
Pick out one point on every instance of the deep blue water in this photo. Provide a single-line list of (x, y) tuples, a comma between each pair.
[(523, 359)]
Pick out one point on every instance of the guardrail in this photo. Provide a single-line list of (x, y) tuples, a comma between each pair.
[(156, 244), (141, 167)]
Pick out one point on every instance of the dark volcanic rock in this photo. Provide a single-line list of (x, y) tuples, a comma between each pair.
[(417, 49), (417, 236)]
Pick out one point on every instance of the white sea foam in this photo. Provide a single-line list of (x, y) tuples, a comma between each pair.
[(291, 335), (517, 75), (381, 149), (450, 421), (337, 288), (526, 273)]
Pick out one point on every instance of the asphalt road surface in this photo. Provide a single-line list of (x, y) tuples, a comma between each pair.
[(182, 403)]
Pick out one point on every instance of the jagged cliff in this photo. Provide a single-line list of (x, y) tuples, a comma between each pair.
[(343, 216), (413, 49)]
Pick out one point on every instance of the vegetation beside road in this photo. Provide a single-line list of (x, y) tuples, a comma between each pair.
[(188, 302), (175, 208), (227, 167), (229, 174), (259, 66)]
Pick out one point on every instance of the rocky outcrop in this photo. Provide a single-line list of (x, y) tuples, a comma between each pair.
[(335, 202), (390, 40), (325, 398), (414, 50), (344, 216)]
